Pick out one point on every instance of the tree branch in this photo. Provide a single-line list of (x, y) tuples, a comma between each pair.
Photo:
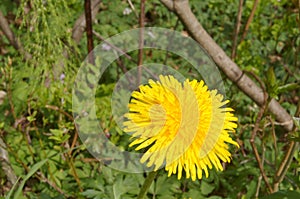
[(250, 19), (80, 24), (237, 29), (89, 30), (77, 33), (7, 31), (230, 68), (254, 132), (4, 26)]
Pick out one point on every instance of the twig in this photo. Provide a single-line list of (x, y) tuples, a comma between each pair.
[(80, 24), (8, 32), (11, 37), (280, 174), (141, 41), (133, 8), (74, 172), (230, 68), (73, 142), (122, 52), (237, 29), (119, 50), (89, 30), (9, 171), (260, 176), (274, 138), (44, 179), (285, 164), (249, 20), (56, 108), (254, 132), (121, 65), (5, 163)]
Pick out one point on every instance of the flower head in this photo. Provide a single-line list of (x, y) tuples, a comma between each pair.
[(182, 126)]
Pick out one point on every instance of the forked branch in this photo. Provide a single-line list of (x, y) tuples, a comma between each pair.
[(182, 9)]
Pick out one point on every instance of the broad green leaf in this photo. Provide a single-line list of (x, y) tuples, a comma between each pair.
[(206, 188)]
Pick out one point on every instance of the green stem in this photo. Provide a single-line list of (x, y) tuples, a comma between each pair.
[(151, 176)]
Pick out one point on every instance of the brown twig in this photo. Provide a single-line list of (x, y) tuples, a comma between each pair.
[(73, 142), (121, 65), (274, 137), (133, 8), (44, 179), (230, 68), (122, 52), (141, 41), (237, 29), (56, 108), (249, 19), (39, 175), (260, 176), (254, 132), (4, 25), (285, 163), (119, 50), (74, 172), (80, 24), (89, 30)]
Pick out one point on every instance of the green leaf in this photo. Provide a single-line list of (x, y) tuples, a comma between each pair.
[(297, 121), (271, 78), (8, 196), (288, 87), (283, 195), (33, 170), (31, 118), (206, 188), (251, 188), (91, 193)]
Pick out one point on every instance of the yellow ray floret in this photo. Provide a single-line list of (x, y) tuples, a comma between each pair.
[(182, 126)]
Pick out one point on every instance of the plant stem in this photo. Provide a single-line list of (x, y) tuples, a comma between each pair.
[(151, 176), (141, 41)]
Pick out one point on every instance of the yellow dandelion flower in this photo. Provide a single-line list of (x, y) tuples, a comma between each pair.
[(182, 126)]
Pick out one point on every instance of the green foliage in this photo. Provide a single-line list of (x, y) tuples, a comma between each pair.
[(37, 125)]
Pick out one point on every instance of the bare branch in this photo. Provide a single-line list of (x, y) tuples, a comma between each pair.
[(254, 132), (250, 19), (237, 29), (7, 31), (80, 24), (77, 33), (4, 25), (287, 160), (89, 30), (230, 68)]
